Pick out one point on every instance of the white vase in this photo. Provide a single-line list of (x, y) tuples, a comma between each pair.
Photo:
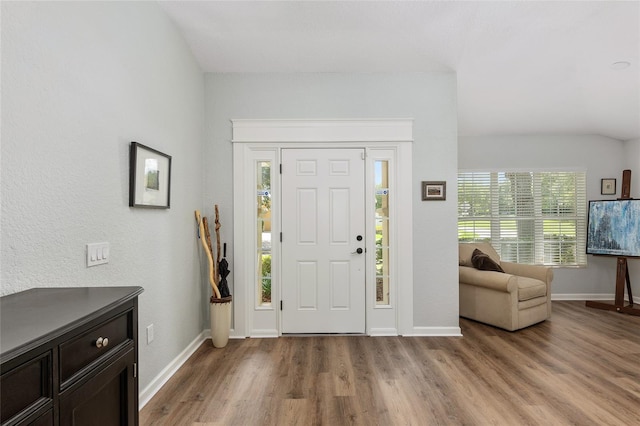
[(220, 312)]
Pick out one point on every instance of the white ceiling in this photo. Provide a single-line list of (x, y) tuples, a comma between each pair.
[(532, 67)]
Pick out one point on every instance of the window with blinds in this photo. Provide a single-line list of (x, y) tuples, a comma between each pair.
[(528, 217)]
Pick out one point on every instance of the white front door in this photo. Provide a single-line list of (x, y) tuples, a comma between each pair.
[(323, 230)]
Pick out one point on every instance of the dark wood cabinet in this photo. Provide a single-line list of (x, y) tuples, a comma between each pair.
[(69, 357), (104, 399)]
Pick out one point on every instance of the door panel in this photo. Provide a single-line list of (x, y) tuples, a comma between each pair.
[(323, 275), (340, 212), (307, 285), (340, 285), (306, 215)]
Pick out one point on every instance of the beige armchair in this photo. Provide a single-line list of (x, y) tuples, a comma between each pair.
[(517, 298)]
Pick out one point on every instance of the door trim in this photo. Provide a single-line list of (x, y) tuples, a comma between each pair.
[(263, 139), (361, 130)]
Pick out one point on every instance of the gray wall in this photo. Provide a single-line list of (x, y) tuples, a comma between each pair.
[(428, 98), (80, 80), (632, 162), (601, 157)]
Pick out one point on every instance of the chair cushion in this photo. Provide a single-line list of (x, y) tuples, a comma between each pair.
[(483, 262), (530, 288)]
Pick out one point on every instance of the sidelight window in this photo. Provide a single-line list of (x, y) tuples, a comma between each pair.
[(381, 172), (263, 246)]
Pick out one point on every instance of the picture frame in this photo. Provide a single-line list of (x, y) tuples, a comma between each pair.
[(434, 190), (149, 177), (608, 186)]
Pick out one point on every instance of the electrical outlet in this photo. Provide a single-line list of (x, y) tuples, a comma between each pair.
[(149, 334)]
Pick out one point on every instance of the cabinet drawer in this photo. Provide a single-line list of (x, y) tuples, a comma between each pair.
[(26, 388), (101, 341)]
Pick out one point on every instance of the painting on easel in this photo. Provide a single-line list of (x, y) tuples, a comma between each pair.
[(614, 228)]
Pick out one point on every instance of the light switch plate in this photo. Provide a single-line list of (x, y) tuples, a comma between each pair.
[(97, 254)]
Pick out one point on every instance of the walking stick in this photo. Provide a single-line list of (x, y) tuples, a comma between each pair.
[(212, 265)]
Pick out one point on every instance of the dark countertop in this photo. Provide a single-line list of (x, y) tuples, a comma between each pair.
[(29, 317)]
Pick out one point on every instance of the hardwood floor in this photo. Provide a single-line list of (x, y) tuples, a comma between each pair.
[(582, 367)]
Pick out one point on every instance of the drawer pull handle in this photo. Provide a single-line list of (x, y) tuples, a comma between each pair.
[(102, 342)]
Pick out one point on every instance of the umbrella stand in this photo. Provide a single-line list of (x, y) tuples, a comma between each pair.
[(220, 317), (219, 307)]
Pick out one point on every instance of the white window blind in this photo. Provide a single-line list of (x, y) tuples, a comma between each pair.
[(528, 217)]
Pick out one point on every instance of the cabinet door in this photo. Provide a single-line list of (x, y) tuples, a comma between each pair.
[(26, 390), (106, 399)]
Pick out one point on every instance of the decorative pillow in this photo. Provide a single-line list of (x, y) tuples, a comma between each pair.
[(483, 262), (465, 251)]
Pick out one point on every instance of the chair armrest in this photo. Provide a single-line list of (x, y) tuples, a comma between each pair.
[(488, 279), (539, 272)]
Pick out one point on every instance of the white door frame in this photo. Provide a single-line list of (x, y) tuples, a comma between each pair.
[(262, 140)]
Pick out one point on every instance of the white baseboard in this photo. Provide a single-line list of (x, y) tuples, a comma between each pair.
[(582, 296), (434, 331), (264, 333), (156, 384), (383, 332), (589, 296), (232, 335)]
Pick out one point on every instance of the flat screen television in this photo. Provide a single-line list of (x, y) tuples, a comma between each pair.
[(614, 228)]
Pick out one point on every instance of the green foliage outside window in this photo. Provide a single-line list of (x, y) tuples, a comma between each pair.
[(266, 278)]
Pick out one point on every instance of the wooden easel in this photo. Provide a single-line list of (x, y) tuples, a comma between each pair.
[(622, 274)]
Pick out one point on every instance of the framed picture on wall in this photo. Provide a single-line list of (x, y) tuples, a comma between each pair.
[(434, 190), (149, 177), (608, 186)]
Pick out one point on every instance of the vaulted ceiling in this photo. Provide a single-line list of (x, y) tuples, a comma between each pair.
[(532, 67)]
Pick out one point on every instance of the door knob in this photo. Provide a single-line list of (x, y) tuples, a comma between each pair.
[(358, 251)]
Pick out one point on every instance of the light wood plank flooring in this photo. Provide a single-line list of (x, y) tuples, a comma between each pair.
[(582, 367)]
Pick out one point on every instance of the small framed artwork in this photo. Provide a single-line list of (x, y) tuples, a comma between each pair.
[(434, 191), (149, 177), (608, 186)]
